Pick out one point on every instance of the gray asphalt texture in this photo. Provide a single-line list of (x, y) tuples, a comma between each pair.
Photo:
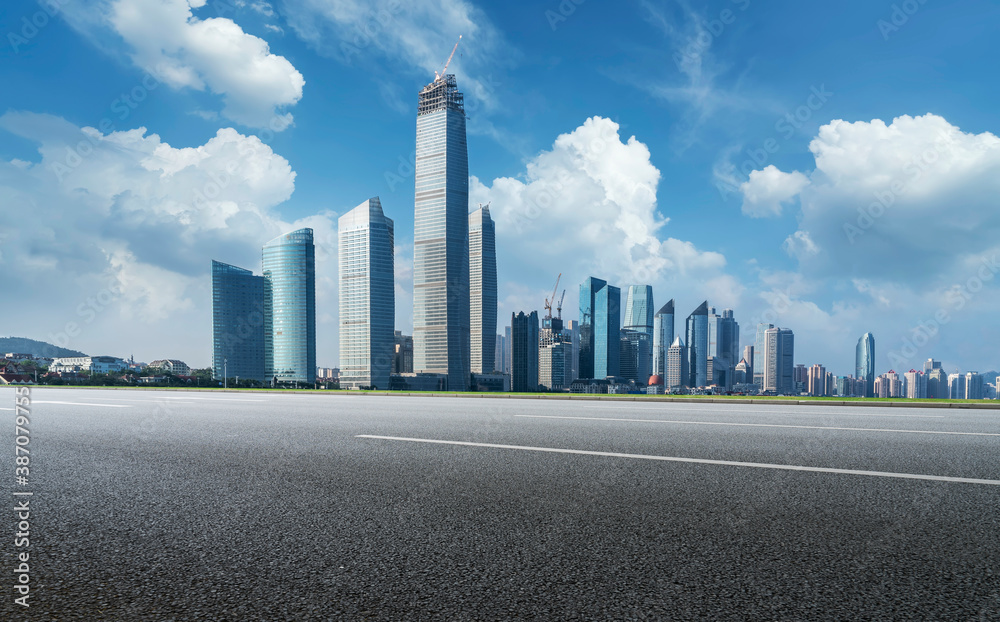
[(255, 506)]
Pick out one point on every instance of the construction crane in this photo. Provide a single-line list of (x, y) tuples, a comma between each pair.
[(438, 76), (559, 306), (549, 303)]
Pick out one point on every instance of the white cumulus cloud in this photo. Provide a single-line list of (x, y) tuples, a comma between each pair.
[(588, 207), (129, 213), (166, 39), (768, 190)]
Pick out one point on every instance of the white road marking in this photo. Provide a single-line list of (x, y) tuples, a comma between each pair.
[(758, 425), (80, 404), (210, 399), (6, 409), (769, 412), (756, 465)]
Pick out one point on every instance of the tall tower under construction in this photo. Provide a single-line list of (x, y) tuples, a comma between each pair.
[(441, 235)]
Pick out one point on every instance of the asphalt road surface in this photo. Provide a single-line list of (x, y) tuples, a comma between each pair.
[(255, 506)]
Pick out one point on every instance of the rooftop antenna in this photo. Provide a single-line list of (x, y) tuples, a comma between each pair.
[(438, 76)]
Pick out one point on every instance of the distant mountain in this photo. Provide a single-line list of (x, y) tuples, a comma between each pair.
[(23, 345), (990, 377)]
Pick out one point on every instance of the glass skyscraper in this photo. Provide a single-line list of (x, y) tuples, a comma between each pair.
[(779, 361), (865, 362), (289, 266), (367, 297), (639, 309), (441, 236), (760, 353), (697, 346), (663, 337), (483, 290), (600, 329), (237, 323), (524, 352)]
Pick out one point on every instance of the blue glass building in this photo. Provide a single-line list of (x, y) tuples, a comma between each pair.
[(289, 266), (663, 337), (237, 323), (697, 346), (864, 359), (639, 309), (441, 313), (524, 352), (483, 290), (600, 329)]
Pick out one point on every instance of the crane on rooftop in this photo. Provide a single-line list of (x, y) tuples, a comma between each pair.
[(549, 303), (439, 76)]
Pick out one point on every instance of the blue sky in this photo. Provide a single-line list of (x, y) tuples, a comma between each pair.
[(610, 138)]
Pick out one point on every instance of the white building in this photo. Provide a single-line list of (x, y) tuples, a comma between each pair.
[(175, 367), (93, 364), (367, 297)]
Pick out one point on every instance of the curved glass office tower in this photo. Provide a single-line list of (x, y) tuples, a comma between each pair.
[(289, 263), (441, 236), (865, 362)]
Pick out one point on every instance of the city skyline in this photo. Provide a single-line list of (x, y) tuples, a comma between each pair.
[(220, 167)]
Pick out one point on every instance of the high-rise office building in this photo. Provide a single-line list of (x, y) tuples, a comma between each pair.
[(956, 386), (573, 328), (524, 352), (441, 236), (635, 360), (973, 386), (915, 384), (678, 374), (760, 352), (742, 371), (864, 359), (289, 266), (937, 380), (779, 361), (367, 297), (600, 329), (483, 290), (816, 381), (555, 366), (237, 323), (403, 361), (748, 354), (500, 362), (696, 331), (888, 384), (639, 313), (663, 337), (723, 346), (639, 309)]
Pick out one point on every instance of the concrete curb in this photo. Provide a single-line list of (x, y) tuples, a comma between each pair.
[(652, 399)]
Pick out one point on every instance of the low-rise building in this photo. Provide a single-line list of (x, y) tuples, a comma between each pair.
[(175, 367), (93, 364)]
